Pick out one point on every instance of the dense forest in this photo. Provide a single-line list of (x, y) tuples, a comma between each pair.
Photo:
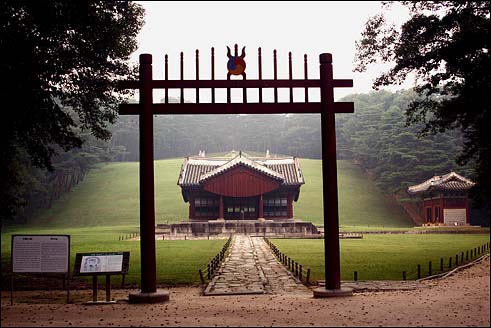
[(375, 137)]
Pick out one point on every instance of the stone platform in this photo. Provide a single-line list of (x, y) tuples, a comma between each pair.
[(225, 228)]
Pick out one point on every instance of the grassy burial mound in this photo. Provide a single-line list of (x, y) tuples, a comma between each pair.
[(109, 196), (362, 205)]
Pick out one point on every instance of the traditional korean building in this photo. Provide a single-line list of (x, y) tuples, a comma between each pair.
[(240, 188), (445, 199)]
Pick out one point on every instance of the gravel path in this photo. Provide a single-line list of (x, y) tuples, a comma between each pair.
[(458, 300)]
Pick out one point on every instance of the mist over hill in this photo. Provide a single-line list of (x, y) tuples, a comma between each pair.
[(374, 137)]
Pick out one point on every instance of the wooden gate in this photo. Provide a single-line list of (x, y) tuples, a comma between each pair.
[(236, 66)]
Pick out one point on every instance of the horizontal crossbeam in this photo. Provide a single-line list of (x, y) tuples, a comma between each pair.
[(236, 108), (209, 84)]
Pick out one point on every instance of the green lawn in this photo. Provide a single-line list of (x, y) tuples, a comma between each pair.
[(383, 257), (178, 261)]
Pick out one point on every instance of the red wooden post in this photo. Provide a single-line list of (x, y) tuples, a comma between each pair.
[(261, 207), (191, 206), (221, 210), (440, 219), (329, 182), (290, 206), (147, 203)]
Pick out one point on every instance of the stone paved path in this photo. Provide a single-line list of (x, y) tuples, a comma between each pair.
[(250, 268)]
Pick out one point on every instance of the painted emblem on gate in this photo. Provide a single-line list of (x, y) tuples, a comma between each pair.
[(236, 64)]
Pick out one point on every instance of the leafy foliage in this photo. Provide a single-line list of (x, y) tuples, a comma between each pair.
[(376, 137), (446, 45), (59, 57)]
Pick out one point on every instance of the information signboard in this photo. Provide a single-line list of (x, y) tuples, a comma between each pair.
[(40, 253), (101, 263)]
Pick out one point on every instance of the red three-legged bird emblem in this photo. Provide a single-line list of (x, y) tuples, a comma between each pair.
[(236, 64)]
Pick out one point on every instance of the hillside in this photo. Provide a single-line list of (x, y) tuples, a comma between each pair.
[(361, 202), (109, 196)]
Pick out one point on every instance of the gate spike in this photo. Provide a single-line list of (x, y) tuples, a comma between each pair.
[(197, 75), (182, 77), (166, 77), (305, 72), (275, 76), (212, 73), (290, 73), (260, 69)]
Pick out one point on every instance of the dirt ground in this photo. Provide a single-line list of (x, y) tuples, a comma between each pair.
[(459, 300)]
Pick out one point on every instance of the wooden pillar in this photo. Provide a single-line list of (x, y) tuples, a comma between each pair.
[(467, 209), (221, 209), (440, 219), (191, 206), (260, 213), (147, 202), (290, 206), (329, 175)]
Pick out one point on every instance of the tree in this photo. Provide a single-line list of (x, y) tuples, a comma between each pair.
[(59, 57), (446, 46)]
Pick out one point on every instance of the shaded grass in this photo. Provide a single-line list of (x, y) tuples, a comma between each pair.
[(383, 257)]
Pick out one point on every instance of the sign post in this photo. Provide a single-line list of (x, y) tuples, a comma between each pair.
[(41, 254), (105, 263)]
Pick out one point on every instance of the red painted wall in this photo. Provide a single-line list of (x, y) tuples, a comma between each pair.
[(241, 182), (445, 203)]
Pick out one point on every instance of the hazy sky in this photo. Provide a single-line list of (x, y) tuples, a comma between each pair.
[(302, 27)]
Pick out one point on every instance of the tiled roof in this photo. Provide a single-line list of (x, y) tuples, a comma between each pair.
[(447, 182), (241, 160), (195, 170)]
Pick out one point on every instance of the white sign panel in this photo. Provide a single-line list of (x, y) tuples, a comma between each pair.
[(454, 216), (40, 254), (101, 263)]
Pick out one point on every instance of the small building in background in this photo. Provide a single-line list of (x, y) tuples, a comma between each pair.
[(445, 199), (240, 187)]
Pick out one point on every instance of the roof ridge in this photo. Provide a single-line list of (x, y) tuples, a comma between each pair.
[(237, 160), (440, 181)]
